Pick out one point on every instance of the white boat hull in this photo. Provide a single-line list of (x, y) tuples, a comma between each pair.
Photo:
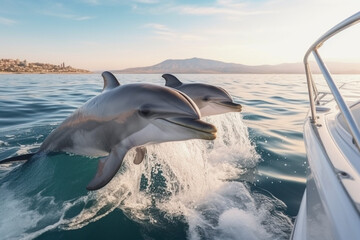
[(329, 208)]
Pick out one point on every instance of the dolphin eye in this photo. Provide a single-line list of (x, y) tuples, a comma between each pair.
[(145, 111), (206, 98)]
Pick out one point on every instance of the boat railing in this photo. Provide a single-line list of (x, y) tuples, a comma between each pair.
[(314, 95)]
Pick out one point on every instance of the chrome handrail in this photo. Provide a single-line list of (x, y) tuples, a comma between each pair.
[(313, 93)]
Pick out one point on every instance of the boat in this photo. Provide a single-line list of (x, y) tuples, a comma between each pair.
[(330, 207)]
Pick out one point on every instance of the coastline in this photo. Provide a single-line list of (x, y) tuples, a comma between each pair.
[(46, 72)]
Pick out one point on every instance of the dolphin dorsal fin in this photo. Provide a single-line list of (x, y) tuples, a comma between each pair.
[(171, 81), (110, 81)]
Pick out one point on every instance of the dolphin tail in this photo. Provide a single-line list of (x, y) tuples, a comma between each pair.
[(107, 168), (18, 158)]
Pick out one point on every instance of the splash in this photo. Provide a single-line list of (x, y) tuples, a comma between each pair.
[(197, 182), (2, 143), (25, 149)]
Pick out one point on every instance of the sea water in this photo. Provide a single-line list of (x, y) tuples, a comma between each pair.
[(246, 184)]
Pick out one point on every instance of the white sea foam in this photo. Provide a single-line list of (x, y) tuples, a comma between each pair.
[(16, 218), (2, 143), (195, 180), (25, 149), (236, 223), (10, 136)]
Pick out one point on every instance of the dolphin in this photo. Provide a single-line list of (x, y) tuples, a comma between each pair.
[(122, 117), (211, 100)]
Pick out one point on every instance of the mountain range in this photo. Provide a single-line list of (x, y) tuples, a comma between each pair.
[(200, 65)]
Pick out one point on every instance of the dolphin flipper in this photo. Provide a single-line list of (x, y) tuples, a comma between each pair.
[(107, 168), (110, 81), (140, 155), (171, 81)]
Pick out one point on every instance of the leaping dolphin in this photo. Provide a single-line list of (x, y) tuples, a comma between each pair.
[(211, 100), (123, 117)]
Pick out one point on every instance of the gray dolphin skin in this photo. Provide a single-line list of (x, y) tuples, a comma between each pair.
[(123, 117), (211, 100)]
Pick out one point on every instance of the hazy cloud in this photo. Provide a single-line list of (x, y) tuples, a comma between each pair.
[(221, 7), (68, 16), (157, 26), (165, 33), (91, 2), (66, 11), (112, 2), (196, 10), (7, 21), (160, 30), (146, 1)]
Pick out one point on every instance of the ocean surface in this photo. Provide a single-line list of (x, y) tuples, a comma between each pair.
[(246, 184)]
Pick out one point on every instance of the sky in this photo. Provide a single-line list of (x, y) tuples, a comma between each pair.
[(118, 34)]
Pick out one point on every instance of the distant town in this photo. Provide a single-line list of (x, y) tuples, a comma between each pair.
[(18, 66)]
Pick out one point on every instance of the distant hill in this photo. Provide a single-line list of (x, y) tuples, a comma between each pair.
[(199, 65)]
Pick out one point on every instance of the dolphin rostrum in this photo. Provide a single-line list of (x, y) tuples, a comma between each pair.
[(211, 100), (123, 117)]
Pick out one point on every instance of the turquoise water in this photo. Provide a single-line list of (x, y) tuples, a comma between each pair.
[(247, 184)]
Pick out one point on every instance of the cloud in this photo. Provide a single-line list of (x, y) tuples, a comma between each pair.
[(160, 30), (165, 33), (252, 32), (68, 16), (222, 7), (157, 26), (91, 2), (124, 2), (146, 1), (83, 18), (196, 10), (7, 21), (65, 11)]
